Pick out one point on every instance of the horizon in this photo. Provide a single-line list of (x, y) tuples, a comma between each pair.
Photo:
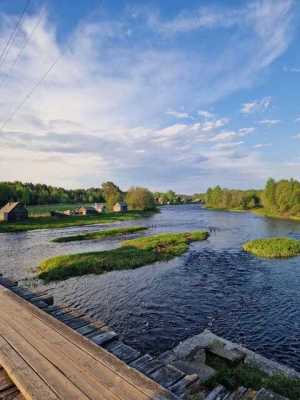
[(154, 94)]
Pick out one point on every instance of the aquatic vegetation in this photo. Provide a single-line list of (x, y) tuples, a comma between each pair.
[(132, 254), (276, 247)]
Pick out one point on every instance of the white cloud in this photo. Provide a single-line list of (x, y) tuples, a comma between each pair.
[(270, 122), (297, 136), (177, 114), (205, 114), (261, 145), (297, 119), (256, 106), (101, 112), (246, 131)]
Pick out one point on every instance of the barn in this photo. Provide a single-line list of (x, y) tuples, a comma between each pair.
[(120, 207), (13, 211)]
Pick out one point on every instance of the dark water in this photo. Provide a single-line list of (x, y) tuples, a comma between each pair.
[(215, 285)]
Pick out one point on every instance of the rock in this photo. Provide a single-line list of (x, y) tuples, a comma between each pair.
[(237, 394), (218, 393), (203, 371), (232, 356), (180, 388)]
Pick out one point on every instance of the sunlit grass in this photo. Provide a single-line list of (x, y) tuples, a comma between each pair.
[(276, 247)]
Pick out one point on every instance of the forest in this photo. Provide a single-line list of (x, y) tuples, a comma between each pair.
[(277, 198)]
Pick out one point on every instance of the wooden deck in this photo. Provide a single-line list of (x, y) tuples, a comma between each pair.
[(47, 360)]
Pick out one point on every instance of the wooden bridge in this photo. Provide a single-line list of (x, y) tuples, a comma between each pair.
[(47, 360)]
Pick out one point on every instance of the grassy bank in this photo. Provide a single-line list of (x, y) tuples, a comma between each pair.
[(101, 234), (277, 247), (55, 223), (132, 254)]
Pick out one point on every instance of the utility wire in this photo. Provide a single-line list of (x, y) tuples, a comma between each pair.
[(22, 49), (29, 94), (13, 35)]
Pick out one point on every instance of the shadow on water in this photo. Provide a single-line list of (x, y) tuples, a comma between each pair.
[(215, 285)]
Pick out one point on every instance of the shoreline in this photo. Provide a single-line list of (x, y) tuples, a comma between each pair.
[(261, 212)]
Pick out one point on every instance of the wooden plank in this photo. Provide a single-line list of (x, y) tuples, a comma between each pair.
[(122, 379), (11, 394), (123, 352), (59, 356), (22, 375), (5, 382), (51, 376)]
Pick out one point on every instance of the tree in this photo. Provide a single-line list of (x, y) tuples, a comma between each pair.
[(139, 198), (112, 194)]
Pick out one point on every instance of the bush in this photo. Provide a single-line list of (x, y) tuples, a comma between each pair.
[(273, 247)]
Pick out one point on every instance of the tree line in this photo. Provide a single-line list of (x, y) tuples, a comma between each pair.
[(281, 197)]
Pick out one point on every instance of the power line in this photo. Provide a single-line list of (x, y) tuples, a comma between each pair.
[(29, 94), (13, 35), (22, 49)]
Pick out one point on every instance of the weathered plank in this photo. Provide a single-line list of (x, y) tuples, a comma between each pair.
[(100, 374)]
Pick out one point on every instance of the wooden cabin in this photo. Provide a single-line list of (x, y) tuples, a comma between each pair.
[(13, 211), (120, 207), (87, 211), (99, 207)]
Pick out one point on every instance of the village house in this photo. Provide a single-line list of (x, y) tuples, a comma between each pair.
[(99, 207), (87, 211), (120, 207), (13, 211)]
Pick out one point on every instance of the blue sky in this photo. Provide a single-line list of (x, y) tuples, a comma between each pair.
[(164, 94)]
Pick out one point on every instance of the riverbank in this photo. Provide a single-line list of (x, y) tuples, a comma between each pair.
[(132, 254), (261, 212), (34, 223)]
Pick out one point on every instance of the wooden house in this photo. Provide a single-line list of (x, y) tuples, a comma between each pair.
[(87, 211), (99, 207), (13, 211), (120, 207)]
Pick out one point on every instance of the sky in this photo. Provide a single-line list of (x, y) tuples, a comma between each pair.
[(166, 94)]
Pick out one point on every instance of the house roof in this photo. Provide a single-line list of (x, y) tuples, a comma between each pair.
[(9, 207)]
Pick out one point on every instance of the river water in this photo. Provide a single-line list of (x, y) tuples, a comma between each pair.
[(214, 285)]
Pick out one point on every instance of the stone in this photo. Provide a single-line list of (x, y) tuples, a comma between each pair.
[(146, 364), (203, 371), (237, 394), (232, 356)]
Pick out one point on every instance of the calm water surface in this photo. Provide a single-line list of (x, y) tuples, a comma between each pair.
[(214, 285)]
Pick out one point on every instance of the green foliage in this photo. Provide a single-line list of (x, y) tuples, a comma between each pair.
[(44, 210), (32, 194), (170, 197), (101, 234), (251, 377), (55, 223), (112, 194), (232, 199), (282, 197), (273, 247), (139, 198), (133, 254)]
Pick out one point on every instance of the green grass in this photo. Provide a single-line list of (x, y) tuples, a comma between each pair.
[(44, 210), (277, 247), (55, 223), (132, 254), (251, 377), (101, 234)]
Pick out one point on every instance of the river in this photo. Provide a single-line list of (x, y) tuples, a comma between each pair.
[(214, 285)]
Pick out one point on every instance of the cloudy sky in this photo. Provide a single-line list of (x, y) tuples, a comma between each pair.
[(164, 94)]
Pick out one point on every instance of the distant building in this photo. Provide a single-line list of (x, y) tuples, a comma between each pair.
[(87, 211), (13, 212), (58, 214), (99, 207), (120, 207)]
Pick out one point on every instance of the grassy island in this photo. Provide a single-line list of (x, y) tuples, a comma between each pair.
[(277, 247), (76, 220), (101, 234), (132, 254)]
